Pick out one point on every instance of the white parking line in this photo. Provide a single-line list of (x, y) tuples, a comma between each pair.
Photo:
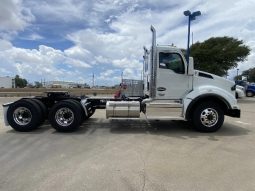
[(242, 123)]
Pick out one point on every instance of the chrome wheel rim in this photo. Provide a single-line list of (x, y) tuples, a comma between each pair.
[(249, 94), (22, 116), (209, 117), (64, 116)]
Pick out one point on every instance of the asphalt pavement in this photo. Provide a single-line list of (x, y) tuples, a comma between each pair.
[(130, 155)]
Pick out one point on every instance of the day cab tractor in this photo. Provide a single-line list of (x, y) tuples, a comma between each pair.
[(172, 90)]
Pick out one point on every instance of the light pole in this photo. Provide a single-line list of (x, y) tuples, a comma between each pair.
[(93, 80), (237, 73), (192, 16)]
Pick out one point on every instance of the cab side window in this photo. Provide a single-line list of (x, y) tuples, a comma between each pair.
[(171, 61)]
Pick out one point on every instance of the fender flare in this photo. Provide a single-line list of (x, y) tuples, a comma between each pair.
[(209, 96)]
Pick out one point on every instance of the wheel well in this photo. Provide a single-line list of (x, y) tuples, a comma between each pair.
[(212, 98), (250, 90), (236, 95)]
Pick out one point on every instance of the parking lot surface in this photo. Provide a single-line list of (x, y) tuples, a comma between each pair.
[(130, 155)]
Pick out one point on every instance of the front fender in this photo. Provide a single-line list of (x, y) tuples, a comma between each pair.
[(210, 91)]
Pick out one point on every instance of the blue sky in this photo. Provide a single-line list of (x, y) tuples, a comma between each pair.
[(72, 39)]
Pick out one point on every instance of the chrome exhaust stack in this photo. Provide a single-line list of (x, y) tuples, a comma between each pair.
[(153, 30), (153, 64)]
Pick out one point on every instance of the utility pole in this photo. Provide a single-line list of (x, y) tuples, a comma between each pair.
[(93, 80)]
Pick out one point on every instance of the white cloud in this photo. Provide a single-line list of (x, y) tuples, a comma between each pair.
[(127, 63), (81, 54), (58, 10), (46, 62), (118, 50), (112, 34), (76, 63), (113, 77), (107, 73), (32, 37), (13, 17), (5, 45)]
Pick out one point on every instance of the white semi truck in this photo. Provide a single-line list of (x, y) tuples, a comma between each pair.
[(173, 90)]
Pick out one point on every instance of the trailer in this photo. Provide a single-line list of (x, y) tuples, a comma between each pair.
[(172, 90)]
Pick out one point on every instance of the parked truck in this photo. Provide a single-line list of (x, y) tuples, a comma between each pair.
[(172, 90)]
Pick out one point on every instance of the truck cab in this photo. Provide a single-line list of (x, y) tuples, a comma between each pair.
[(177, 90), (171, 77)]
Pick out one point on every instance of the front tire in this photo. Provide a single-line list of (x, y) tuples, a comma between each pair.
[(208, 117), (65, 116)]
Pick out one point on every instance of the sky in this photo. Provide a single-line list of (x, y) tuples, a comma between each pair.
[(72, 39)]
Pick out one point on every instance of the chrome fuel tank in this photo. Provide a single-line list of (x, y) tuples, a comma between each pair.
[(123, 109)]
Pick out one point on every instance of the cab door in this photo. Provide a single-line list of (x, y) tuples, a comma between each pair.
[(172, 81)]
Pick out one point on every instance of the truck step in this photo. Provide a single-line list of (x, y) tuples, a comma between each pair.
[(165, 118), (166, 109)]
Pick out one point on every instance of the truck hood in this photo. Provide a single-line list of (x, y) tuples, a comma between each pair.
[(205, 83), (204, 78)]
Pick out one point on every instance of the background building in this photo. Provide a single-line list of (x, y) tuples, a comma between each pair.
[(64, 84), (7, 82)]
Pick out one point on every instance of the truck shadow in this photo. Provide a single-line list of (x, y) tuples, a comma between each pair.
[(41, 129), (246, 100), (178, 129)]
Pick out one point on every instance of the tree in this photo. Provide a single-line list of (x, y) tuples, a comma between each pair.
[(250, 74), (38, 84), (219, 54), (20, 82)]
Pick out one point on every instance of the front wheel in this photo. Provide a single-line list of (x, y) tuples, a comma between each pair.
[(249, 94), (208, 117)]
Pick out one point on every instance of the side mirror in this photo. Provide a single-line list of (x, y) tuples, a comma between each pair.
[(191, 66)]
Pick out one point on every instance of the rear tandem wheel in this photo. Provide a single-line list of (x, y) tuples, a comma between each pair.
[(66, 116), (24, 115)]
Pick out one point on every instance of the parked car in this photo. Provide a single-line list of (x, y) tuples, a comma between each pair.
[(250, 90), (241, 83), (240, 91)]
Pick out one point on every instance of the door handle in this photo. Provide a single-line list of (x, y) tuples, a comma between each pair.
[(161, 89)]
